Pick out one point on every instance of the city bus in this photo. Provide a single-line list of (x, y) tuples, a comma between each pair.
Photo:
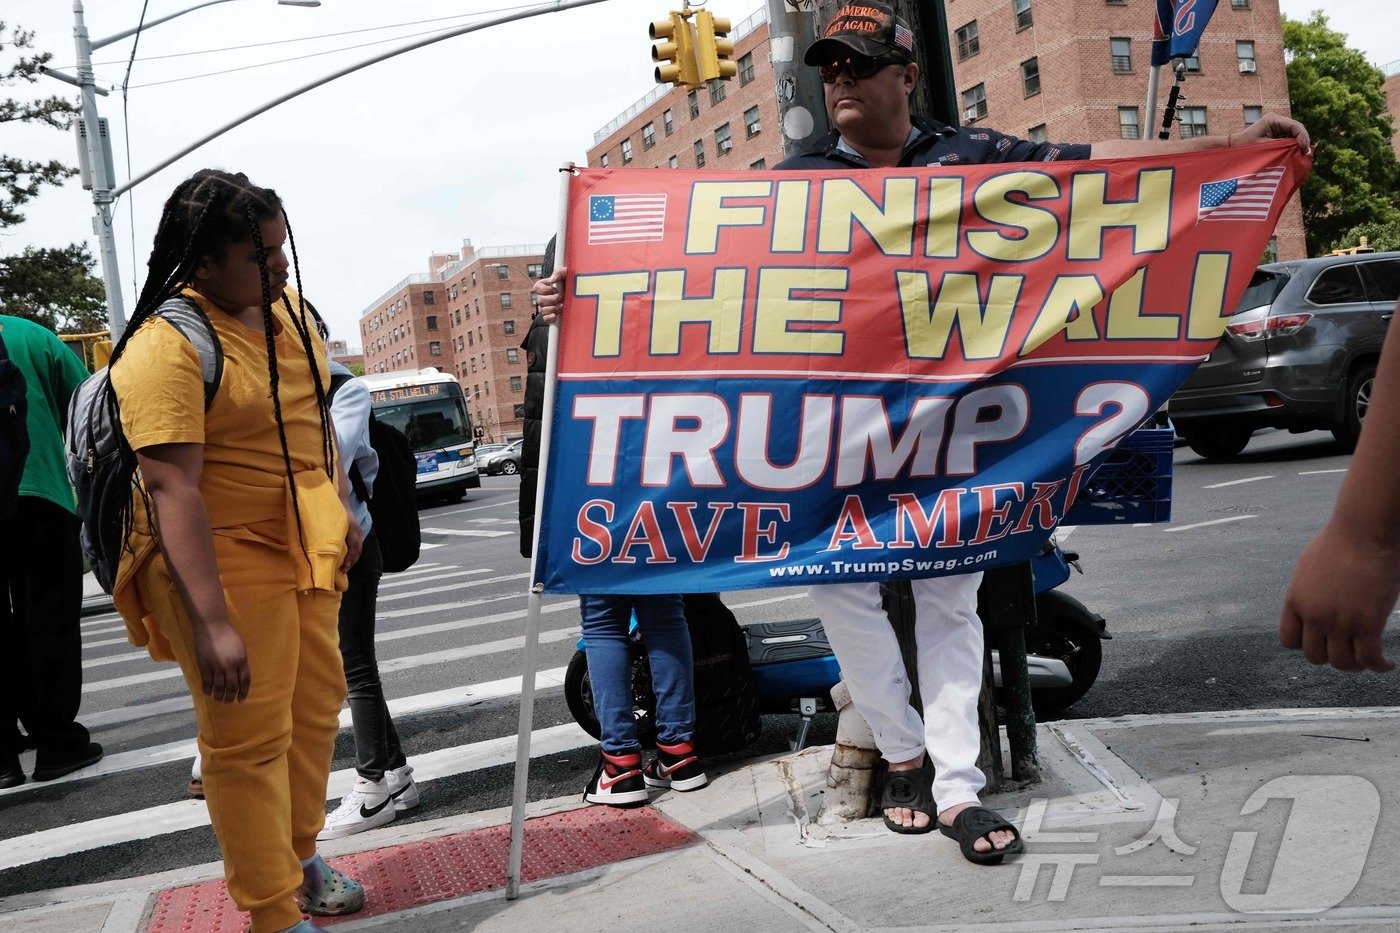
[(428, 407)]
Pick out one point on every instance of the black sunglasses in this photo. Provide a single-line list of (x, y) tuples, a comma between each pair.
[(859, 66)]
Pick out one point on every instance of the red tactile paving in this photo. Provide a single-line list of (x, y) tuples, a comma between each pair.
[(399, 877)]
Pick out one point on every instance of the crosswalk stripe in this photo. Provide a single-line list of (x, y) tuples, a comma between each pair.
[(391, 580), (470, 695), (466, 532), (455, 586), (191, 814)]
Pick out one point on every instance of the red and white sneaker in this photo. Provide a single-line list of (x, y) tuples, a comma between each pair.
[(618, 781), (675, 766)]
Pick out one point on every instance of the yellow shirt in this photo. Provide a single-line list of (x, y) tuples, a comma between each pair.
[(160, 390)]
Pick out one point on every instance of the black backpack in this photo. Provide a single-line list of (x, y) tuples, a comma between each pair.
[(102, 482), (14, 431), (726, 699), (393, 506)]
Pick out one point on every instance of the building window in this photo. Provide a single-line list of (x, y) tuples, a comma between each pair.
[(1037, 134), (503, 271), (435, 348), (1022, 9), (746, 69), (1128, 123), (760, 164), (429, 298), (717, 92), (1252, 113), (1239, 4), (693, 100), (432, 322), (699, 153), (470, 341), (1122, 51), (487, 389), (515, 383), (509, 327), (968, 42), (1244, 51), (649, 136), (535, 270), (473, 364), (667, 123), (673, 162), (1116, 2), (752, 126), (723, 143), (1193, 62), (1193, 122), (512, 355), (1030, 76), (602, 162), (626, 151), (974, 101), (505, 299)]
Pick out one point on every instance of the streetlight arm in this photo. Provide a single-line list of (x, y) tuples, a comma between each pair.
[(69, 79), (554, 7), (155, 22)]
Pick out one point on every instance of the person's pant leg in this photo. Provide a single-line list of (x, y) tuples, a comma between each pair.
[(47, 594), (14, 660), (316, 703), (950, 644), (605, 623), (868, 652), (369, 714), (244, 747), (663, 625)]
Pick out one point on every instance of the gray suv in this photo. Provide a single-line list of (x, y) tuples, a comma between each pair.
[(1299, 353)]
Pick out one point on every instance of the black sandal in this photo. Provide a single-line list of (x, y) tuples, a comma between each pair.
[(975, 823), (912, 789)]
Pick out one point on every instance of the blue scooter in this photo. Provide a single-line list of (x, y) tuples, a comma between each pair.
[(794, 667)]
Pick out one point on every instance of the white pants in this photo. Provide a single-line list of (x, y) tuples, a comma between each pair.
[(948, 636)]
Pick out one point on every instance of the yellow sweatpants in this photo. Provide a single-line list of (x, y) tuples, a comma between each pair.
[(266, 760)]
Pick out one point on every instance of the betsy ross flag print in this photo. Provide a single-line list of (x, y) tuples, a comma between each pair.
[(1246, 198), (626, 218)]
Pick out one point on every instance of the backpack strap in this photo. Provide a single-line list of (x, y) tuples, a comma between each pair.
[(190, 320)]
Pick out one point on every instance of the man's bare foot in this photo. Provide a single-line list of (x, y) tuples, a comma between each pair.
[(996, 840), (903, 815)]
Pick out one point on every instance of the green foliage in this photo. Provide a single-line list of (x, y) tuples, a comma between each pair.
[(1382, 237), (1337, 95), (356, 368), (54, 287)]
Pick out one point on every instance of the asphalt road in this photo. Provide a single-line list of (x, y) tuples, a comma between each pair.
[(1192, 607)]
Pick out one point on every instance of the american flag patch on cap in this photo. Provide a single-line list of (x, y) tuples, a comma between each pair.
[(903, 38)]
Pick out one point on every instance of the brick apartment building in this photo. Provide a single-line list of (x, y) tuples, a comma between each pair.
[(1392, 101), (1040, 69), (465, 316)]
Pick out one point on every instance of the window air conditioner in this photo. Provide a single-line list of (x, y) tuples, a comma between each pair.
[(970, 114), (1248, 66)]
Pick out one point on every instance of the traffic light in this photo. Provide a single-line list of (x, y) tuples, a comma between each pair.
[(712, 49), (678, 50)]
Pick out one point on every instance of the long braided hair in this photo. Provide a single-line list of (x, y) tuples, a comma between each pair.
[(205, 215)]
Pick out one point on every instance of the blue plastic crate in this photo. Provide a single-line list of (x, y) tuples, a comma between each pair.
[(1133, 485)]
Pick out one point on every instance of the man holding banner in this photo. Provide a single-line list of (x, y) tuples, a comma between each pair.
[(900, 369)]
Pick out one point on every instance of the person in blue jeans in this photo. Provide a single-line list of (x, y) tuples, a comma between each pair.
[(620, 779)]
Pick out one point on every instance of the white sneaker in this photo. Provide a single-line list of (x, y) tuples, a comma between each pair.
[(367, 806), (402, 788)]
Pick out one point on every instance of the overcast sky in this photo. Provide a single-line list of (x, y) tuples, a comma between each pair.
[(406, 158)]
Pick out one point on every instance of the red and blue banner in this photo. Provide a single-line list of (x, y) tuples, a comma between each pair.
[(780, 378), (1178, 28)]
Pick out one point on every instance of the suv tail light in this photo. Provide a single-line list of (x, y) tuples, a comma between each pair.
[(1284, 325)]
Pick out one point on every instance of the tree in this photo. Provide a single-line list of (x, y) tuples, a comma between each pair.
[(54, 287), (1337, 95), (356, 368), (1382, 237)]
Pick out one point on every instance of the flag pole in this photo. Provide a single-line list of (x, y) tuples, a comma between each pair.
[(535, 597), (1151, 111)]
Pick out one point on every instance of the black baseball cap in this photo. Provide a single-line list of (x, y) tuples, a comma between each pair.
[(869, 29)]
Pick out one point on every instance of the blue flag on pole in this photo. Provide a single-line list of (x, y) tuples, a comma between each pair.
[(1179, 26)]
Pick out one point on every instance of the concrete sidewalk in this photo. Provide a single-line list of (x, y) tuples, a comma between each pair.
[(1258, 819)]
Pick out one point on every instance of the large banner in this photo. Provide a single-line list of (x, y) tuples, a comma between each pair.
[(780, 378)]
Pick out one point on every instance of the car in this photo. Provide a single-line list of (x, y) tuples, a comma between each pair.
[(505, 461), (484, 452), (1298, 353)]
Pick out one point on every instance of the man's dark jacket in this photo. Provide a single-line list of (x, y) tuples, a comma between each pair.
[(535, 345), (938, 144)]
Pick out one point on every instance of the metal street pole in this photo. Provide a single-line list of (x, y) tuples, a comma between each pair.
[(101, 184), (792, 28)]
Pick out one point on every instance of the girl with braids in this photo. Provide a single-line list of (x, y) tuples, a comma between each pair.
[(240, 537)]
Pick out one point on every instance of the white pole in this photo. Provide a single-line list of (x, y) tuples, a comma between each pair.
[(532, 611), (1149, 132)]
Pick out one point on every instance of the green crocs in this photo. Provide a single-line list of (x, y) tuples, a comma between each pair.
[(325, 892)]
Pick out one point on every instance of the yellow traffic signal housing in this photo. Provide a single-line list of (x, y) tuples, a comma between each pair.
[(678, 51), (712, 49)]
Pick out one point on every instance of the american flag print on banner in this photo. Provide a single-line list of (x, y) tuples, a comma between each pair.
[(1246, 198), (626, 218)]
